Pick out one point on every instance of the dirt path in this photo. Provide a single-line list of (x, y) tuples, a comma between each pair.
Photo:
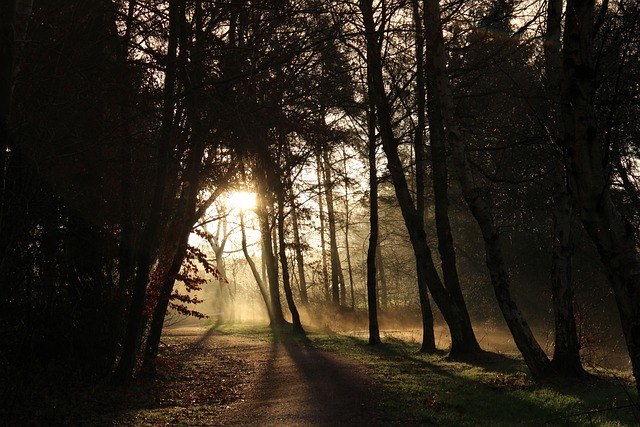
[(292, 385)]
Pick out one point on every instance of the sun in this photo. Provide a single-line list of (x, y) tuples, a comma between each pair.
[(241, 200)]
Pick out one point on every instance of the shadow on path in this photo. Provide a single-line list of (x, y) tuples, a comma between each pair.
[(302, 386)]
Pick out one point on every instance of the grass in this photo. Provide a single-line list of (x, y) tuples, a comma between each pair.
[(195, 382), (491, 390)]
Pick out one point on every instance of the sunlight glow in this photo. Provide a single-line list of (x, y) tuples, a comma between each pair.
[(242, 200)]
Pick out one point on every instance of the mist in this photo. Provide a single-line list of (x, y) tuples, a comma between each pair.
[(238, 301)]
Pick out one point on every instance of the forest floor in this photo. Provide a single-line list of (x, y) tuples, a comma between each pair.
[(248, 375), (207, 378)]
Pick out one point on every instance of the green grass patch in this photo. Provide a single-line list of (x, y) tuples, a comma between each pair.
[(491, 390)]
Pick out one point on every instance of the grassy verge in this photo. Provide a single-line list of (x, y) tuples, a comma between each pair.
[(492, 390)]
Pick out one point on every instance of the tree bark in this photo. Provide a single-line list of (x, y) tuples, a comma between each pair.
[(187, 207), (323, 243), (372, 295), (286, 282), (148, 239), (441, 191), (347, 218), (417, 235), (336, 268), (588, 173), (475, 196), (270, 261), (428, 337), (566, 353), (183, 223), (255, 272), (304, 298), (126, 249), (160, 310)]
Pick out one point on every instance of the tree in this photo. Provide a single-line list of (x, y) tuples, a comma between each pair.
[(297, 325), (144, 257), (323, 243), (566, 355), (475, 196), (337, 278), (461, 331), (59, 211), (254, 270), (298, 248), (588, 176), (439, 168), (372, 250), (428, 338), (217, 242)]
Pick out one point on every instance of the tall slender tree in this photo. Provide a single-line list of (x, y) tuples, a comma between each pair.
[(284, 263), (566, 353), (475, 195), (460, 330), (372, 250), (148, 238), (337, 278), (297, 244), (588, 173)]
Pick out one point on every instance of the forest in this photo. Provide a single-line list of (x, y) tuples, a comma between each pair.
[(450, 167)]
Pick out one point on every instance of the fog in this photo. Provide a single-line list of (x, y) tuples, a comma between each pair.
[(603, 344), (237, 299)]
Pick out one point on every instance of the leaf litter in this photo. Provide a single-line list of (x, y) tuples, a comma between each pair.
[(193, 382)]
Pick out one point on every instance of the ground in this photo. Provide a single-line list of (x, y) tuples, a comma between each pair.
[(207, 378)]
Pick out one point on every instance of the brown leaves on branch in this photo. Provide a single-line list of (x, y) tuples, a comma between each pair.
[(193, 274)]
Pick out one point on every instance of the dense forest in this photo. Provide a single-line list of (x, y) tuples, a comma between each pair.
[(456, 162)]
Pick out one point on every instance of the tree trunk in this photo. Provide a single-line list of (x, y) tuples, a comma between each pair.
[(255, 272), (424, 261), (428, 338), (187, 207), (270, 261), (218, 243), (566, 354), (372, 296), (347, 218), (443, 226), (295, 316), (183, 223), (440, 94), (441, 201), (337, 280), (160, 310), (148, 239), (299, 257), (126, 249), (323, 243), (383, 288), (588, 173)]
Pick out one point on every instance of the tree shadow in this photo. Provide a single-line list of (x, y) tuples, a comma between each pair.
[(495, 379)]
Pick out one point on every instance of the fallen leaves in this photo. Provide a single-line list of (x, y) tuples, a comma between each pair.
[(193, 382)]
